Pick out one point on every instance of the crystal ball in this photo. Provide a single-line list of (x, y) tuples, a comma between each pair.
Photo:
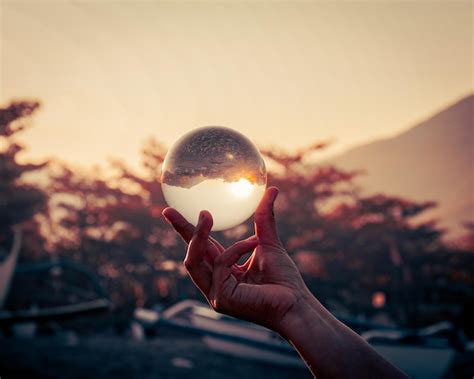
[(216, 169)]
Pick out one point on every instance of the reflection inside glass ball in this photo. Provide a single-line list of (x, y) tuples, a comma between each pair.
[(215, 169)]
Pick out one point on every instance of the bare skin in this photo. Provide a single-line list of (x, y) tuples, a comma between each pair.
[(268, 290)]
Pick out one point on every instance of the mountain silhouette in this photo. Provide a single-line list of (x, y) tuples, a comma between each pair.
[(433, 160)]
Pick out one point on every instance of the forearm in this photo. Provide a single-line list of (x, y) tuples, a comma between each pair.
[(329, 348)]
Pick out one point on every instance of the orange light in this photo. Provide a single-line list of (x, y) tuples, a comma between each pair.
[(378, 300)]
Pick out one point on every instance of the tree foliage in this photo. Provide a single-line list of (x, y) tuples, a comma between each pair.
[(348, 244), (18, 201)]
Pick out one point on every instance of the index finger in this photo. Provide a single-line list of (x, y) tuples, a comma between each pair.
[(181, 225), (195, 256), (185, 228)]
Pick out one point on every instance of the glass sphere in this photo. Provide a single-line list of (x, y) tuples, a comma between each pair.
[(215, 169)]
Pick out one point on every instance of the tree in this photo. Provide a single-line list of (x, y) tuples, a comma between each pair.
[(19, 201), (361, 243), (348, 245)]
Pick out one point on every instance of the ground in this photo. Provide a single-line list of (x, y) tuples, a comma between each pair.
[(164, 357), (114, 357)]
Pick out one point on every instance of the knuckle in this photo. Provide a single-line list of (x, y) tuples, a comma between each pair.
[(195, 234), (201, 232)]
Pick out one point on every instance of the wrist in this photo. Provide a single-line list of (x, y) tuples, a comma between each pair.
[(306, 309)]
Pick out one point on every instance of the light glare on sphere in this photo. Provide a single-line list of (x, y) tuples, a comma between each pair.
[(215, 169)]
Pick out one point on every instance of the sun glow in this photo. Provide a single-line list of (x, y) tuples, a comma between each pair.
[(242, 188), (230, 203)]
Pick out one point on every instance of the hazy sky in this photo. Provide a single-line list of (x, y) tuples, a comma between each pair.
[(110, 74)]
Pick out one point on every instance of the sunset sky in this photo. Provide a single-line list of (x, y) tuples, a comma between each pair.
[(111, 74)]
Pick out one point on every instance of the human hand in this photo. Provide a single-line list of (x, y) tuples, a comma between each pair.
[(264, 289), (269, 290)]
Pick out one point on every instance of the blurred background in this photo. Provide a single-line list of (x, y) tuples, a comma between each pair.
[(364, 114)]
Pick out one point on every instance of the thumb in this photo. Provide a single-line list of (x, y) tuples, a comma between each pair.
[(265, 226)]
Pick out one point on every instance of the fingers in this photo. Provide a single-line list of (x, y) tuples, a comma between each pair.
[(230, 256), (244, 267), (217, 244), (265, 226), (181, 225), (198, 245), (223, 263), (186, 229)]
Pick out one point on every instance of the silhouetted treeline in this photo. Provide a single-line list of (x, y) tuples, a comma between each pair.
[(361, 255)]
